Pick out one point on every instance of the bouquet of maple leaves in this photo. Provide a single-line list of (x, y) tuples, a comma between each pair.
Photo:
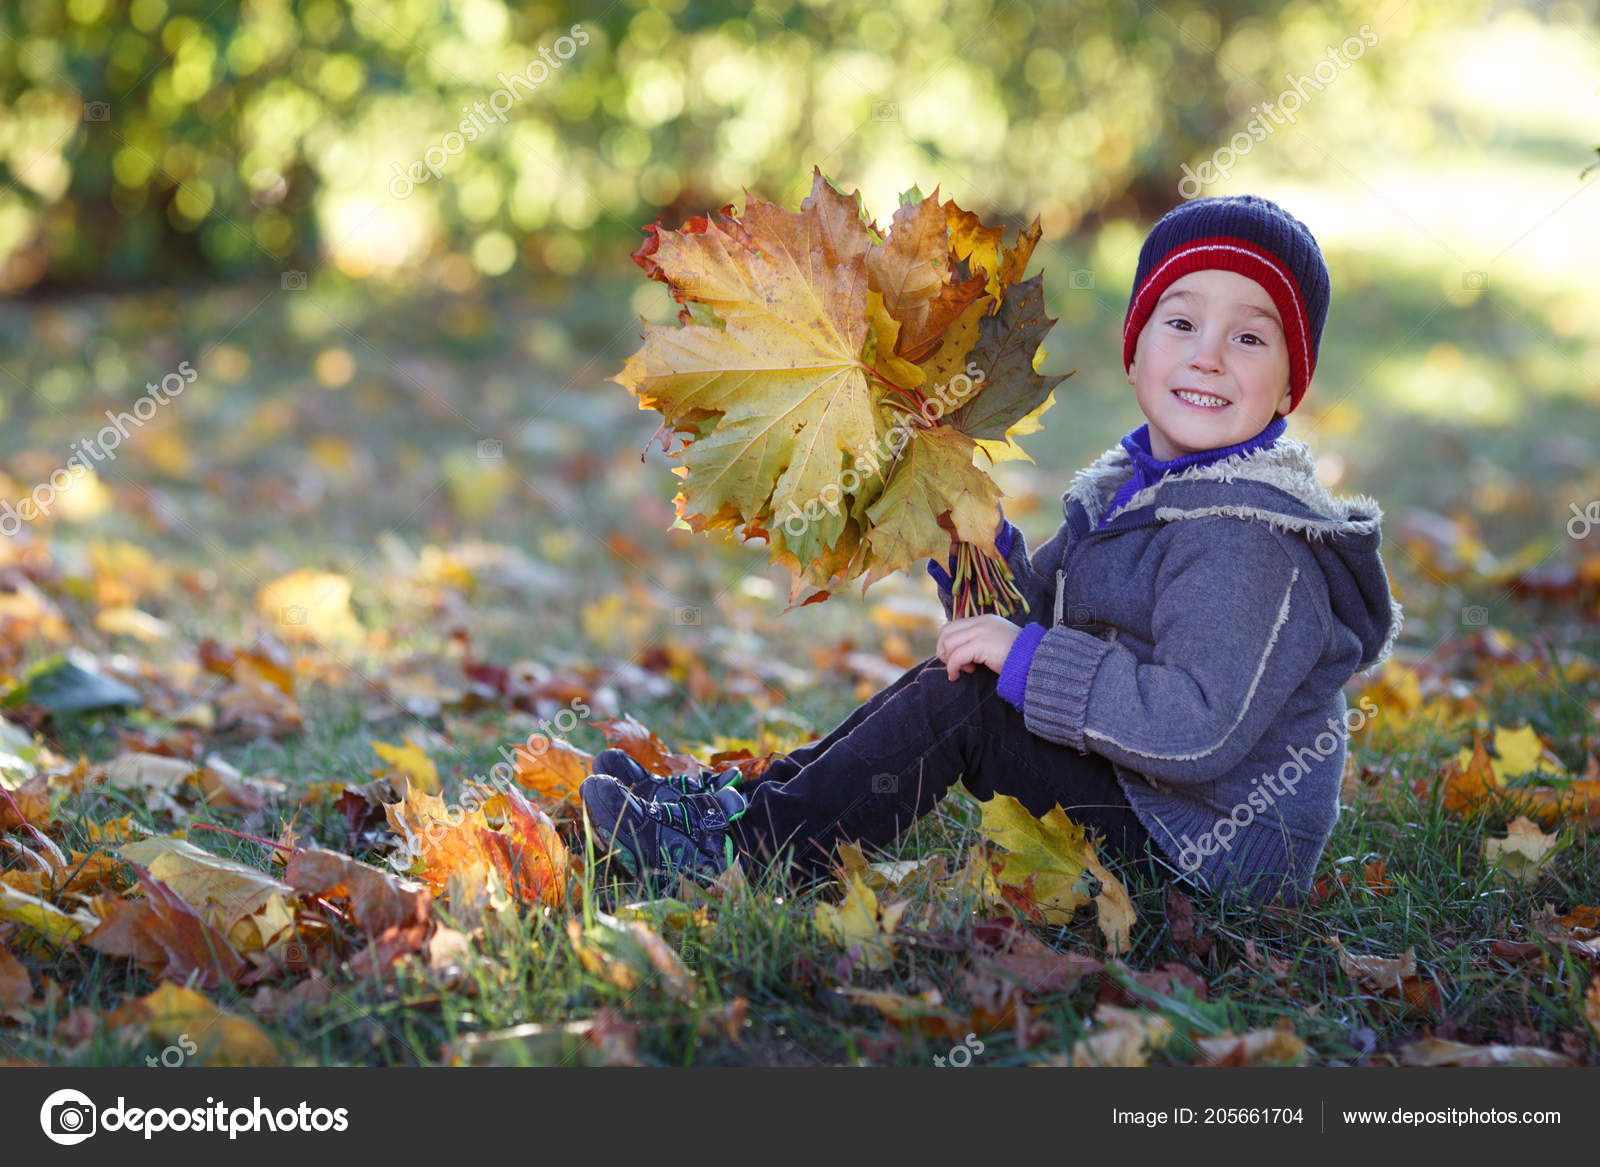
[(834, 384)]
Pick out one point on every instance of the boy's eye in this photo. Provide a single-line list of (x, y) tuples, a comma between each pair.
[(1181, 320)]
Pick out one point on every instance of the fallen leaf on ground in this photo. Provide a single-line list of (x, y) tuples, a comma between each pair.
[(16, 990), (245, 905), (1050, 869), (859, 921), (553, 769), (1277, 1046), (190, 945), (1027, 962), (274, 1004), (525, 851), (309, 605), (1390, 976), (1431, 1051), (173, 1014), (1180, 918), (625, 953), (377, 900), (61, 926), (1121, 1037), (410, 761), (1520, 856), (925, 1012)]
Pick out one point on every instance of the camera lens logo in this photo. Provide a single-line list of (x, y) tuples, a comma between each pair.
[(67, 1117)]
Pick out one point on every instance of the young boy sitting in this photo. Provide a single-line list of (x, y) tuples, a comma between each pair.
[(1176, 682)]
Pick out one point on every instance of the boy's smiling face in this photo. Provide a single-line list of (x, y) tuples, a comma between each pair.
[(1215, 333)]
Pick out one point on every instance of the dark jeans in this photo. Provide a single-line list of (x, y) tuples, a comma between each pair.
[(892, 759)]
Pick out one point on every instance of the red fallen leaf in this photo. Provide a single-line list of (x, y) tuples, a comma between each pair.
[(1027, 962), (497, 677), (168, 934), (1376, 874), (1517, 950), (378, 901), (379, 957), (122, 930), (1180, 918), (275, 1004), (192, 946), (16, 989), (643, 746)]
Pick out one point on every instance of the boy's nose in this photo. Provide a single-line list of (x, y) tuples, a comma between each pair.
[(1207, 353)]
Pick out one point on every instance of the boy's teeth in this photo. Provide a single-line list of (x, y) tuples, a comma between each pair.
[(1202, 399)]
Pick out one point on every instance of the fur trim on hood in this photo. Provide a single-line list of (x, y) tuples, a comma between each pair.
[(1277, 486)]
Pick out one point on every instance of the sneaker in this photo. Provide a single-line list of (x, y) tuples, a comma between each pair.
[(620, 765), (663, 831)]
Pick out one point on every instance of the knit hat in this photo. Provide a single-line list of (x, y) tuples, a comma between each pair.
[(1254, 237)]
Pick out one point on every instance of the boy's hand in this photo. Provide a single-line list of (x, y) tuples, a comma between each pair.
[(976, 640)]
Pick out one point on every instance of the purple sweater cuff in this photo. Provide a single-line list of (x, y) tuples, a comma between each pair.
[(942, 575), (1013, 684)]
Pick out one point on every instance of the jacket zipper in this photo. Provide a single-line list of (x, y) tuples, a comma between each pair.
[(1066, 562), (1066, 559)]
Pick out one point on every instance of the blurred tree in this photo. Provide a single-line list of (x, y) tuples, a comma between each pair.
[(161, 140)]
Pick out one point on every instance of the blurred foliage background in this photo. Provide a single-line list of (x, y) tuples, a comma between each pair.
[(382, 250), (158, 140)]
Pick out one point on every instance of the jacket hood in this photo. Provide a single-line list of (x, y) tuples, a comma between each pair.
[(1278, 486)]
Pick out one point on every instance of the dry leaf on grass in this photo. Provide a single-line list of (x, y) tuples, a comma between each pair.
[(1520, 856), (1050, 869), (1431, 1051), (1121, 1037), (1277, 1046), (860, 922), (1391, 976), (172, 1015)]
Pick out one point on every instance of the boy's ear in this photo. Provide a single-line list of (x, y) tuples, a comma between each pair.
[(1287, 402)]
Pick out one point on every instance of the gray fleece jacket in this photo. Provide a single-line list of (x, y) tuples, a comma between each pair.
[(1201, 641)]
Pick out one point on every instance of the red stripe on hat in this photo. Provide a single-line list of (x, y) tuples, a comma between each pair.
[(1236, 255)]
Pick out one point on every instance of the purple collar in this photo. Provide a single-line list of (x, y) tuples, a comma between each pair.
[(1148, 469)]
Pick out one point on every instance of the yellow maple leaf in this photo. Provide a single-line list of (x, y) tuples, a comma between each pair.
[(1521, 855), (191, 1024), (309, 605), (1520, 750), (1050, 870), (783, 381), (245, 905), (412, 762), (60, 926), (859, 920)]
